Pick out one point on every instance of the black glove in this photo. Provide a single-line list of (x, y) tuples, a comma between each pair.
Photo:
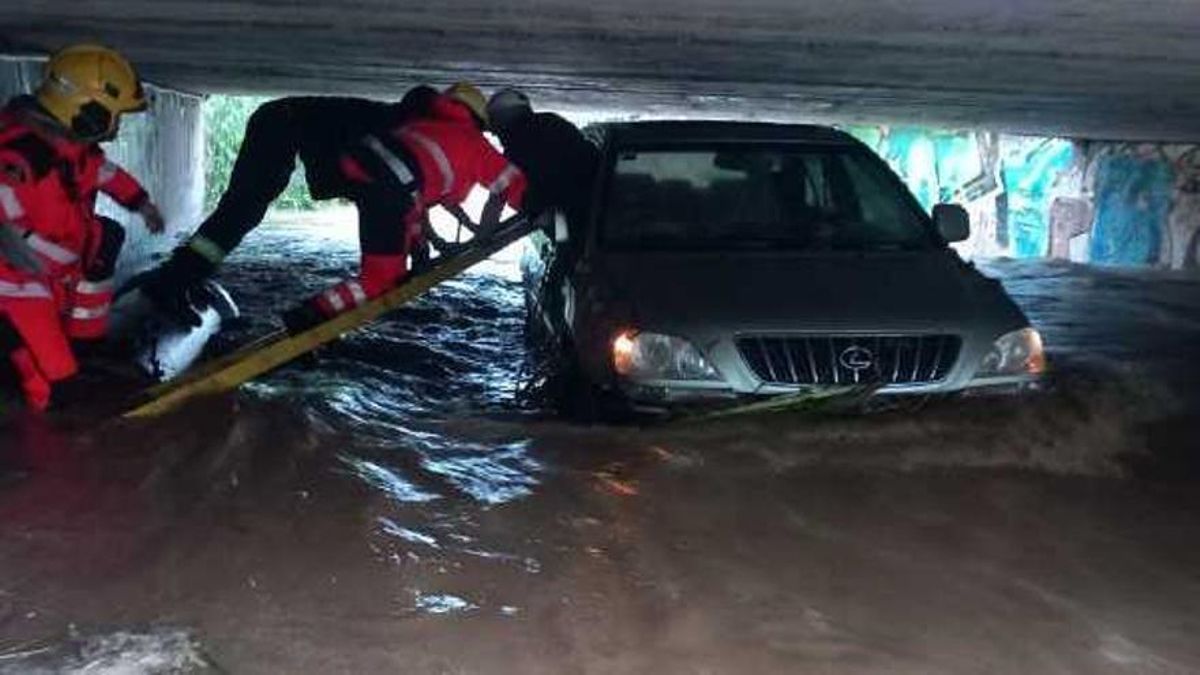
[(420, 255), (171, 301), (170, 286), (449, 249), (302, 317)]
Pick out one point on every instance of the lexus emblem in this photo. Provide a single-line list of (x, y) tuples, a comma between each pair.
[(856, 358)]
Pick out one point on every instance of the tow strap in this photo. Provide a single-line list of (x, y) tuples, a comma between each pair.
[(845, 397)]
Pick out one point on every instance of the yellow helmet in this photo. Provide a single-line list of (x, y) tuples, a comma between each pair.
[(470, 96), (88, 87)]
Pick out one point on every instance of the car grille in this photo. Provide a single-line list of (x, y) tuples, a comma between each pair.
[(883, 359)]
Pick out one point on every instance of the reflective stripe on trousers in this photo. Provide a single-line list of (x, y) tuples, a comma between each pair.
[(90, 306), (343, 297)]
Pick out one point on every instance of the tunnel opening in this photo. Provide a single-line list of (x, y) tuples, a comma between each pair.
[(1035, 208)]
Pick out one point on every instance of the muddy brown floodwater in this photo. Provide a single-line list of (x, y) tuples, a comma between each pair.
[(403, 506)]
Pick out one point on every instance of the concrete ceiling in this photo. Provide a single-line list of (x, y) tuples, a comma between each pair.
[(1092, 68)]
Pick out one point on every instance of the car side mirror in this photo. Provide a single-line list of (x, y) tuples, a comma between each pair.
[(952, 222)]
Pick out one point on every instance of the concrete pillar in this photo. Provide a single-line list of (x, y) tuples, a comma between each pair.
[(163, 148)]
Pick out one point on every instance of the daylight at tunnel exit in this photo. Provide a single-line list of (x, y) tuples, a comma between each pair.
[(623, 337)]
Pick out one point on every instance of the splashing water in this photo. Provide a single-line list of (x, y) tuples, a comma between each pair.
[(320, 519)]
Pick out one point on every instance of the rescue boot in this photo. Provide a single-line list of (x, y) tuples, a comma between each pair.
[(299, 319), (302, 317)]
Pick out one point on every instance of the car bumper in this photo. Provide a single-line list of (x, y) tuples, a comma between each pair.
[(660, 394)]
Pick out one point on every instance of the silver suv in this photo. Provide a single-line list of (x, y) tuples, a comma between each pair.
[(723, 260)]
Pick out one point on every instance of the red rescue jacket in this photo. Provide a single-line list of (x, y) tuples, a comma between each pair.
[(441, 154), (40, 202), (454, 156), (49, 183)]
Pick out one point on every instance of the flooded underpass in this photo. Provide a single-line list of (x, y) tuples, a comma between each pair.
[(407, 504)]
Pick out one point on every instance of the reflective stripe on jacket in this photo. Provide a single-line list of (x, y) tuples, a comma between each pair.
[(454, 156)]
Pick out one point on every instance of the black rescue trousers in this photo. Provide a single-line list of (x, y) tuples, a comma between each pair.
[(318, 130), (264, 166), (381, 212)]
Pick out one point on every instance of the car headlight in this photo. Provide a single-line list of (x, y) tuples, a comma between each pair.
[(1017, 353), (652, 356)]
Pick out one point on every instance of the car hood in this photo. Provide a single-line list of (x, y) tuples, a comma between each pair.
[(903, 291)]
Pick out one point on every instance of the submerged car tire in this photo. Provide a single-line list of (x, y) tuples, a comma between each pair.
[(536, 335), (584, 401)]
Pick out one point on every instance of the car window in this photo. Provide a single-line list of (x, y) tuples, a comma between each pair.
[(795, 197)]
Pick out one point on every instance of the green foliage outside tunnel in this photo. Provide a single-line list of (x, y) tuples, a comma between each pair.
[(224, 125)]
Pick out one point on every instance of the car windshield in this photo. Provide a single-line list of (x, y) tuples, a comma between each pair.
[(794, 197)]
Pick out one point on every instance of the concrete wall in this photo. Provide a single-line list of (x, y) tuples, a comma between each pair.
[(163, 148), (1104, 203)]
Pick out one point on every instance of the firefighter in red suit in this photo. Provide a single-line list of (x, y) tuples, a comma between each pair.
[(433, 160), (57, 256), (432, 154)]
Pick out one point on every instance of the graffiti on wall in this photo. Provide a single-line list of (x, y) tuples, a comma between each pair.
[(1133, 201), (1106, 203), (1182, 241), (1029, 173)]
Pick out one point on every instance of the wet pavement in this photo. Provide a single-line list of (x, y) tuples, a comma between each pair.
[(407, 506)]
